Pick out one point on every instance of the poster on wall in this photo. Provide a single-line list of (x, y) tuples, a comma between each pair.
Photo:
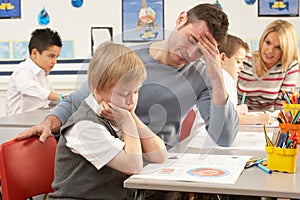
[(143, 20), (10, 9), (100, 35), (280, 8), (20, 50)]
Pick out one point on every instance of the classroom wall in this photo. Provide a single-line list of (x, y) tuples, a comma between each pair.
[(75, 24)]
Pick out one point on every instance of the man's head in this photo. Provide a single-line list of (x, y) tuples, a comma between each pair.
[(183, 43), (44, 48), (216, 20)]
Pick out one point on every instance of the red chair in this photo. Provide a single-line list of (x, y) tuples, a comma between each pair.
[(187, 124), (27, 168)]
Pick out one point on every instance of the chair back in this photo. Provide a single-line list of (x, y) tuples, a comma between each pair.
[(187, 124), (26, 168)]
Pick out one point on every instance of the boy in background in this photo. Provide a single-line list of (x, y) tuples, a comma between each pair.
[(29, 88), (233, 54), (100, 152)]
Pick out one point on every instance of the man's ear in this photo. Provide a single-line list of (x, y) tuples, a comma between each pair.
[(182, 19)]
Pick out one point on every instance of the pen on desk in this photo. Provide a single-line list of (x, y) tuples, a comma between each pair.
[(281, 140), (268, 140), (280, 120), (294, 98), (263, 168), (296, 118), (277, 139), (287, 136), (243, 98), (286, 97), (289, 142), (253, 163), (284, 118)]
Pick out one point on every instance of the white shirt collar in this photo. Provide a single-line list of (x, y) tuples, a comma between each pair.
[(93, 104), (34, 67)]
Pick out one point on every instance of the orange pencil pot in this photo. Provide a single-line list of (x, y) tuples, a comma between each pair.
[(292, 128), (282, 159)]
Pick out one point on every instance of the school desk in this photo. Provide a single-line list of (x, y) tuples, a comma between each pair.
[(258, 128), (252, 181), (27, 119), (7, 133)]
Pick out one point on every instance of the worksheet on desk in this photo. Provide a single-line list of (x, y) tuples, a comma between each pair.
[(197, 168), (244, 140)]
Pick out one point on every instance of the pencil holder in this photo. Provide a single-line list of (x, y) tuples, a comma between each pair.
[(291, 128), (293, 108), (282, 159)]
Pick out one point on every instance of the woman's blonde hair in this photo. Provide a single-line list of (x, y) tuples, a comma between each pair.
[(288, 44), (112, 63)]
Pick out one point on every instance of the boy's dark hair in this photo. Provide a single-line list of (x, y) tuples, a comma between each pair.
[(232, 44), (216, 19), (42, 39)]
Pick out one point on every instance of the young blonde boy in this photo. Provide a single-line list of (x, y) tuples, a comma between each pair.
[(95, 154)]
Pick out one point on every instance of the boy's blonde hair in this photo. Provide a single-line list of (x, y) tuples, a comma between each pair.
[(112, 63), (288, 44)]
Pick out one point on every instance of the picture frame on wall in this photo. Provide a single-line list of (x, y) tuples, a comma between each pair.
[(10, 9), (142, 20), (278, 8), (100, 35)]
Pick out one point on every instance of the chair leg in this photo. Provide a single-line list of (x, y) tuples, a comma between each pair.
[(139, 194)]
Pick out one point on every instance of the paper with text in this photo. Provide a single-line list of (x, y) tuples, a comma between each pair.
[(244, 140)]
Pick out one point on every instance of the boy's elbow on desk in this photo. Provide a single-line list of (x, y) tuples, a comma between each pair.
[(156, 157), (134, 168)]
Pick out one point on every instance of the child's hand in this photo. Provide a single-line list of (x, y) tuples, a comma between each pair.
[(106, 112), (242, 109), (120, 115)]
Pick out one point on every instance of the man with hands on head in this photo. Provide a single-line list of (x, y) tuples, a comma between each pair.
[(182, 71)]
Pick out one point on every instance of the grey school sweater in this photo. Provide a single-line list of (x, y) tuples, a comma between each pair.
[(75, 177)]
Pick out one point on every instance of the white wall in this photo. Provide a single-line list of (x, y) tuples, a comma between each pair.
[(74, 23)]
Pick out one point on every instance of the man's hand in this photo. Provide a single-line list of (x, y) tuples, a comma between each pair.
[(209, 48), (41, 130), (44, 130)]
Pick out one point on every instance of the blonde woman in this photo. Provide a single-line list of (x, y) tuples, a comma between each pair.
[(273, 68)]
